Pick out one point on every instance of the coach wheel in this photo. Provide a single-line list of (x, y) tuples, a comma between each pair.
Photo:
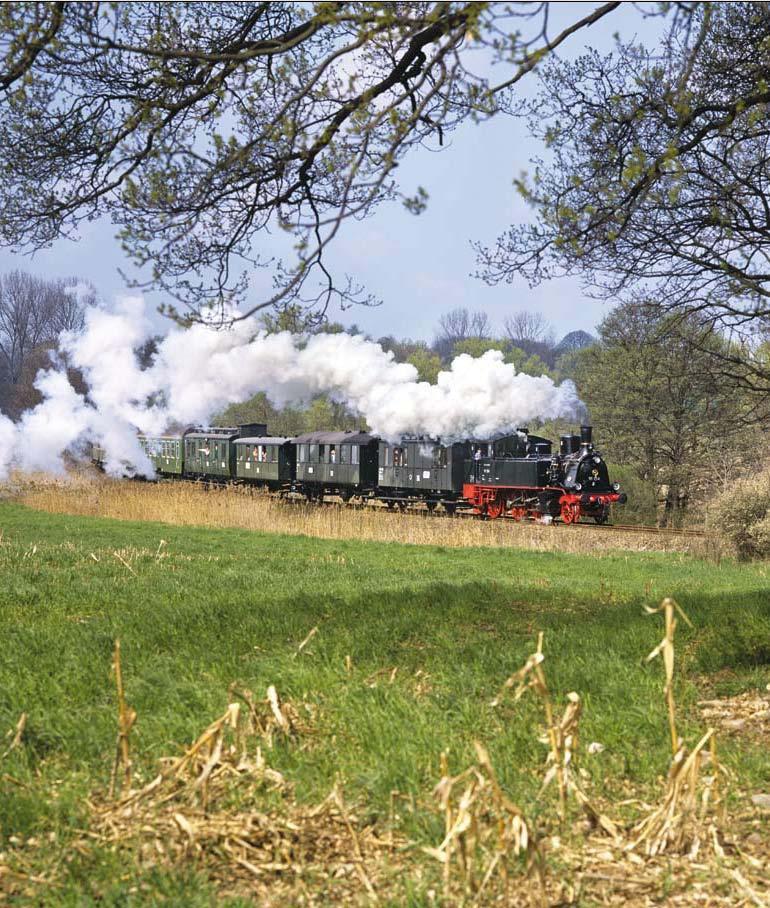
[(431, 506), (402, 506), (570, 513), (450, 508), (390, 505), (495, 508)]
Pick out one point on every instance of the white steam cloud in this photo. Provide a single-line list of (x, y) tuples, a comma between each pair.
[(199, 371)]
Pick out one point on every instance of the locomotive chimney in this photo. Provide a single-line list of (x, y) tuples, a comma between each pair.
[(585, 437)]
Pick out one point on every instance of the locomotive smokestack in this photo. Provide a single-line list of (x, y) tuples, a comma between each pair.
[(585, 436)]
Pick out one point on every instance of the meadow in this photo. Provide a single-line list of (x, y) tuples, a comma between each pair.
[(366, 672)]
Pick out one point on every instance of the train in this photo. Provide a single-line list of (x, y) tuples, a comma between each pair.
[(518, 476)]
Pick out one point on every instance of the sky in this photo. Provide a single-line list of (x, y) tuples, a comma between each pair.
[(419, 266)]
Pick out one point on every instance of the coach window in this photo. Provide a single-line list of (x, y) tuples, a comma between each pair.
[(354, 454), (313, 454), (344, 453), (439, 457)]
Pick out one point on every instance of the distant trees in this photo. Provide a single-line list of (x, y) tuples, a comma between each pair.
[(574, 340), (33, 314), (525, 329), (427, 363), (661, 409), (460, 325)]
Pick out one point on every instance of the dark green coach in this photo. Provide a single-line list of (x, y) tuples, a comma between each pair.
[(336, 463), (265, 460)]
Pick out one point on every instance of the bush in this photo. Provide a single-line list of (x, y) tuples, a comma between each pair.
[(742, 516), (642, 505)]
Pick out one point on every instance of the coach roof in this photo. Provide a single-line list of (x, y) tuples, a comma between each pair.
[(335, 438), (265, 440)]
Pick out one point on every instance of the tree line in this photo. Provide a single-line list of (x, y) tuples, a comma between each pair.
[(33, 314)]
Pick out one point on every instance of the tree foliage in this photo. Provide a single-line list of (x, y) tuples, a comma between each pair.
[(657, 185), (460, 325), (199, 127), (660, 407), (33, 313)]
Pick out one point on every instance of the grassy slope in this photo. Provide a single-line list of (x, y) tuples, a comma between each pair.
[(216, 606)]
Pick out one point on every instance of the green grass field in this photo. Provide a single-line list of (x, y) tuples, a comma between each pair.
[(198, 609)]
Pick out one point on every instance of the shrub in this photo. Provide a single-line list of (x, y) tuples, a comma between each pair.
[(642, 505), (742, 516)]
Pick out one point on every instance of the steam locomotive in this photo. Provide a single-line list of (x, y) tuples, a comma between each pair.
[(517, 476)]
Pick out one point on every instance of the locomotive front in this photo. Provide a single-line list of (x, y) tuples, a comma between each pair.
[(585, 480)]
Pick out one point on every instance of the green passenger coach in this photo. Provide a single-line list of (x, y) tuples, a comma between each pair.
[(265, 459), (336, 463), (421, 468), (211, 451), (165, 452)]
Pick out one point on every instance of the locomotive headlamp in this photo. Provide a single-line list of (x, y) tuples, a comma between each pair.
[(578, 486), (597, 460), (615, 486)]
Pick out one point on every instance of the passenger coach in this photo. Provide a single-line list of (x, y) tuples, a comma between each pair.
[(336, 463)]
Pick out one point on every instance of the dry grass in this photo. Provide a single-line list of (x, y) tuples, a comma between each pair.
[(220, 808), (686, 837), (186, 504)]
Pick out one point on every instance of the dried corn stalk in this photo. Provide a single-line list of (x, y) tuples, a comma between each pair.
[(682, 820), (483, 831), (126, 719), (686, 817), (561, 737), (666, 647)]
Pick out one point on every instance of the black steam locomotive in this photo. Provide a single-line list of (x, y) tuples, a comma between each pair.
[(517, 476)]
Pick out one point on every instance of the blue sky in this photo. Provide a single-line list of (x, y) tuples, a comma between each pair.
[(419, 266)]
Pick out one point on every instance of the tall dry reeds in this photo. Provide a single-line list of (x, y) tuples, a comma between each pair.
[(188, 504)]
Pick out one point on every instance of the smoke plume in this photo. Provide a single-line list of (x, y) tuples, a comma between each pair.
[(199, 371)]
